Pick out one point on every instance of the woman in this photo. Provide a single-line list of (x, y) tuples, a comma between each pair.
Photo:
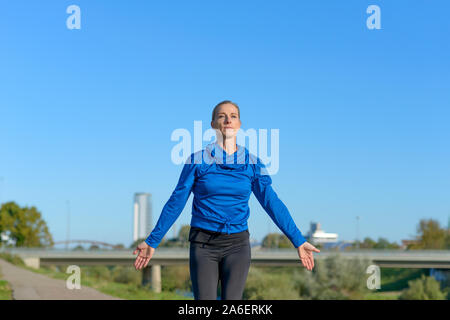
[(222, 177)]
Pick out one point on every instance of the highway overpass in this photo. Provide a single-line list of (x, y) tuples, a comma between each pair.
[(433, 259)]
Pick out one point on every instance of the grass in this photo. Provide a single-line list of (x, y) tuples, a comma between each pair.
[(5, 289), (396, 279), (393, 282), (121, 290), (387, 295), (126, 291)]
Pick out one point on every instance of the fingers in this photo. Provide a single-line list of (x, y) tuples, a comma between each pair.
[(305, 262), (308, 261), (137, 263), (142, 262), (312, 248), (139, 260), (143, 259), (311, 259)]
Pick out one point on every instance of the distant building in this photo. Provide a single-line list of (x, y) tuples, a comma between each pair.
[(316, 235), (406, 243), (142, 215)]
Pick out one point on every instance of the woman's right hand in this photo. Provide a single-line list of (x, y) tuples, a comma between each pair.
[(145, 253), (305, 252)]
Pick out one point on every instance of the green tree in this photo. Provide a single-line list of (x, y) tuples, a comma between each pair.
[(119, 246), (383, 243), (276, 240), (368, 243), (430, 235), (183, 234), (25, 226), (181, 241), (425, 288)]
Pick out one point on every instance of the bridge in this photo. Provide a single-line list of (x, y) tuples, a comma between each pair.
[(433, 259), (91, 242)]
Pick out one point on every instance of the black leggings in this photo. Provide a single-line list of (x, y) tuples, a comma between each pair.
[(214, 257)]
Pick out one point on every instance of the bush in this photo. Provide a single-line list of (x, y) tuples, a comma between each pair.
[(425, 288), (262, 284), (126, 275), (175, 278), (98, 272), (334, 278), (12, 258)]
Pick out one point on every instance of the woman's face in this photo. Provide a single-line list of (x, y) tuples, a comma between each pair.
[(226, 120)]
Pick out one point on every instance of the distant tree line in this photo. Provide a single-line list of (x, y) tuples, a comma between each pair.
[(25, 227)]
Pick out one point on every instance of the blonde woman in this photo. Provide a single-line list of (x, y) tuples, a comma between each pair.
[(222, 177)]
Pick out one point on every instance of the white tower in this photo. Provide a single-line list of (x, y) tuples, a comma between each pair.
[(142, 215)]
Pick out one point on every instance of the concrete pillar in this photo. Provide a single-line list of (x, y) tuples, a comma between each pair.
[(151, 275), (146, 276), (33, 262), (156, 278)]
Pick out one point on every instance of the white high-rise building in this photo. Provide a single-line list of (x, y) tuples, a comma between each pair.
[(317, 235), (142, 215)]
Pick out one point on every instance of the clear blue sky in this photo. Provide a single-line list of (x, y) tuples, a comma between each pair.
[(86, 115)]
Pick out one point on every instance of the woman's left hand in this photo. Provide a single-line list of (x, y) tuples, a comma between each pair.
[(305, 252)]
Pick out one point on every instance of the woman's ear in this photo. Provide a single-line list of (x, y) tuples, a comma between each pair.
[(212, 124)]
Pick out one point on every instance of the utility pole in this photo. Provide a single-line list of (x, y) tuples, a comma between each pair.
[(1, 185), (357, 232), (68, 225)]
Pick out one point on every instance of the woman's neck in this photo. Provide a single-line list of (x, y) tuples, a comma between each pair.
[(228, 145)]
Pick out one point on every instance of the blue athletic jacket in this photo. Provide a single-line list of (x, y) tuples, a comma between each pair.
[(222, 185)]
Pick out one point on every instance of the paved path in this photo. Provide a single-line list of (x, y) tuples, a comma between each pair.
[(28, 285)]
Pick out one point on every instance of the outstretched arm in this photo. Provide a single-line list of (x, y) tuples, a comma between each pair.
[(275, 208), (175, 205), (267, 197)]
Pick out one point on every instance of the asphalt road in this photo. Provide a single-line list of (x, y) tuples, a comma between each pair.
[(28, 285)]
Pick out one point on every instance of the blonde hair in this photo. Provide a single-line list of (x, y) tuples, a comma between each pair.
[(224, 102)]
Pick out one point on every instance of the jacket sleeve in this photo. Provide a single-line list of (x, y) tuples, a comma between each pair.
[(275, 208), (175, 205)]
